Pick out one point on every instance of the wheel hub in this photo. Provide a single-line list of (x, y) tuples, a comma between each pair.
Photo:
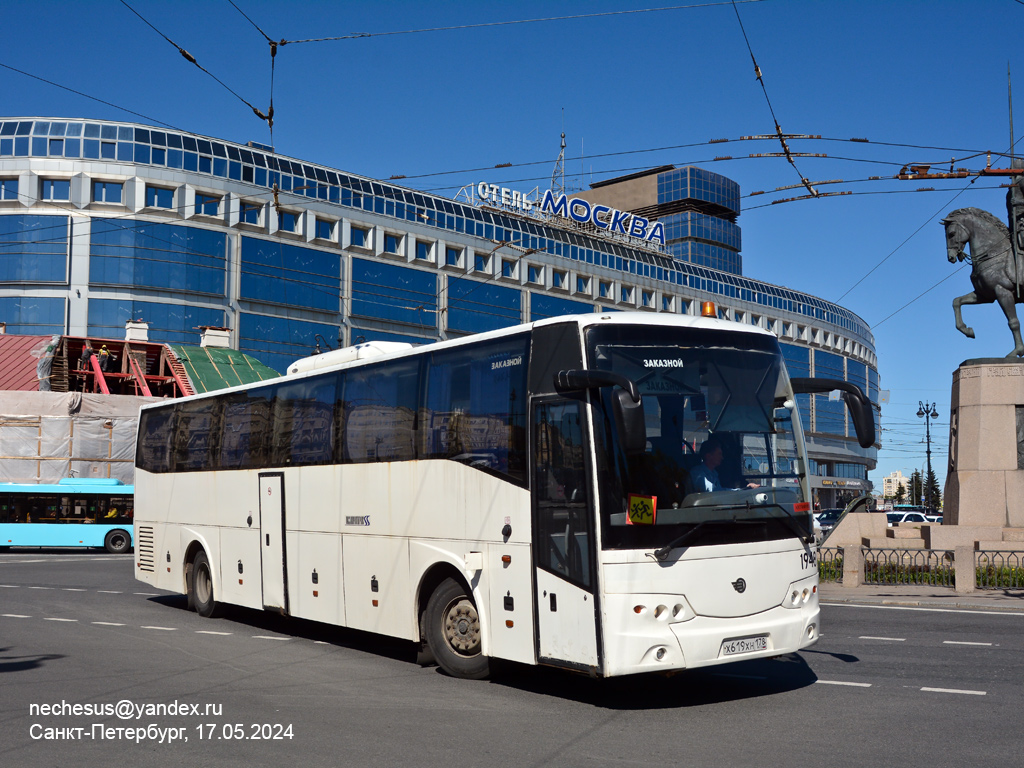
[(462, 627)]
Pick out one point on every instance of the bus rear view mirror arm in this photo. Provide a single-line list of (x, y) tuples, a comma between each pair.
[(859, 406), (626, 403)]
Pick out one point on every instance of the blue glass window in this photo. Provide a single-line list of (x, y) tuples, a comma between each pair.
[(324, 229), (292, 275), (33, 249), (392, 243), (250, 213), (168, 323), (208, 205), (34, 316), (8, 189), (152, 255), (534, 274), (288, 221), (56, 189), (423, 250), (543, 305), (359, 237), (108, 150), (454, 256), (159, 197), (475, 306), (107, 192), (56, 148), (396, 294), (280, 341)]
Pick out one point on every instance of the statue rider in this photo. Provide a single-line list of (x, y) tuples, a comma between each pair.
[(1015, 214)]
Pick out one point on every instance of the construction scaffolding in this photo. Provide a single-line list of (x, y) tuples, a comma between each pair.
[(46, 436)]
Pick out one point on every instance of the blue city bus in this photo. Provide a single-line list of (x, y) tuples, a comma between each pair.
[(74, 512)]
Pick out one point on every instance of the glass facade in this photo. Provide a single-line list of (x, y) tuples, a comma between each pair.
[(394, 294), (32, 315), (33, 249), (176, 256), (276, 272), (168, 256), (171, 323)]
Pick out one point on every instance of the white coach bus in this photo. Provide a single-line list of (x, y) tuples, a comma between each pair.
[(534, 494)]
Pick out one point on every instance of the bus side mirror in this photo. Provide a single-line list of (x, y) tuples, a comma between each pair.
[(861, 413), (629, 419), (627, 405)]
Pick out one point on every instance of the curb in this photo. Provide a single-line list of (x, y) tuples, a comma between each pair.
[(934, 605)]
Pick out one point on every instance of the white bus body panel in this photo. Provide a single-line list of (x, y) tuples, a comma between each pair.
[(691, 605), (566, 621), (351, 524), (271, 524)]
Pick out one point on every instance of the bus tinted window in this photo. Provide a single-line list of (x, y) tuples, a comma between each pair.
[(476, 407), (380, 404), (304, 422), (153, 452), (196, 434), (245, 429)]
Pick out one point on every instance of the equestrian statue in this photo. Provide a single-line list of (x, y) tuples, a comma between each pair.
[(997, 271)]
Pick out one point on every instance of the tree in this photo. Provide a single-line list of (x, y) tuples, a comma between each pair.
[(931, 491), (901, 493), (916, 488)]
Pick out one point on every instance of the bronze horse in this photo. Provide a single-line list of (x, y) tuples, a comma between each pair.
[(994, 275)]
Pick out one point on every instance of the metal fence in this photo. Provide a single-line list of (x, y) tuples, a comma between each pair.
[(830, 564), (927, 567), (932, 567), (999, 570)]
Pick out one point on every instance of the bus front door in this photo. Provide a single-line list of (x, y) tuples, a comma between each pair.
[(563, 538), (272, 551)]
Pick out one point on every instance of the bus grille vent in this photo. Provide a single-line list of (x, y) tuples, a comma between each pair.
[(144, 544)]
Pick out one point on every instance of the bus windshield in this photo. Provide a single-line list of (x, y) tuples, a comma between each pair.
[(722, 452)]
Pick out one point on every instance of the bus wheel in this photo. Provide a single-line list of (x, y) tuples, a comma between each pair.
[(202, 588), (453, 632), (117, 542)]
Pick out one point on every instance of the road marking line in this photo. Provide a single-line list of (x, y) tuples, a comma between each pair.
[(269, 637), (931, 610), (954, 690), (108, 623), (320, 642), (73, 589), (211, 632), (147, 594), (962, 642), (109, 592), (893, 639), (165, 629), (60, 619), (15, 616), (10, 586), (42, 587), (842, 682)]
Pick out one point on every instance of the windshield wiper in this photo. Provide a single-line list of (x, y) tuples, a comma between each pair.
[(662, 553)]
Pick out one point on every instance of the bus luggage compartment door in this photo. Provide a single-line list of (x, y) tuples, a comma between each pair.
[(272, 550)]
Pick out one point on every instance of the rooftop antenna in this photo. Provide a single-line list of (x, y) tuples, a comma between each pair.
[(558, 176)]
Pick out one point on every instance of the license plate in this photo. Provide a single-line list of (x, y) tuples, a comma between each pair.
[(744, 645)]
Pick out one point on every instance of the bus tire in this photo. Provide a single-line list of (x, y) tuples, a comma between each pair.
[(201, 591), (453, 632), (117, 542)]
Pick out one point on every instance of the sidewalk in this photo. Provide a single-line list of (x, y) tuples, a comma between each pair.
[(923, 597)]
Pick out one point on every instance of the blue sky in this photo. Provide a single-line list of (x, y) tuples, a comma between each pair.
[(924, 82)]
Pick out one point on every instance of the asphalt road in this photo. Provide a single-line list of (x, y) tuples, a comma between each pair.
[(884, 686)]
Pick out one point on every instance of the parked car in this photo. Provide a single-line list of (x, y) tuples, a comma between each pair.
[(828, 518), (896, 518)]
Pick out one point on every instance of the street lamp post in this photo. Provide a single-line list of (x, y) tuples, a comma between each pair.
[(926, 411)]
